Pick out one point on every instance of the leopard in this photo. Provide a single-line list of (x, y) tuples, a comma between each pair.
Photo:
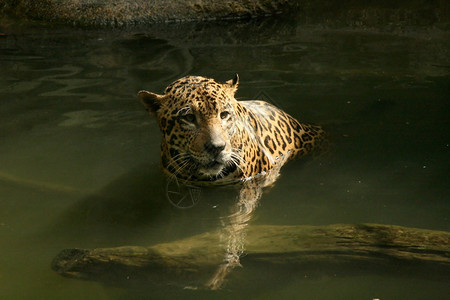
[(210, 138)]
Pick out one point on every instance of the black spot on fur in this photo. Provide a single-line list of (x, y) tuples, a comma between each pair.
[(267, 140), (294, 124), (170, 125), (173, 152), (298, 142), (285, 125), (163, 122), (306, 137)]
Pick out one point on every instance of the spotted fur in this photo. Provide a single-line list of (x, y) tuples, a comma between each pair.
[(208, 137)]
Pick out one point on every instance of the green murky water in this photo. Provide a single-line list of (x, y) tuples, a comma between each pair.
[(79, 156)]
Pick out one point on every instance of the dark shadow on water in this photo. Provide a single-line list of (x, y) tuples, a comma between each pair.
[(135, 204), (133, 199), (116, 213)]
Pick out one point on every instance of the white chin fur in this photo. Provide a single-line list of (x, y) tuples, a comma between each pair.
[(211, 171)]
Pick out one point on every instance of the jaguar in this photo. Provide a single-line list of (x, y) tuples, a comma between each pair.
[(209, 137)]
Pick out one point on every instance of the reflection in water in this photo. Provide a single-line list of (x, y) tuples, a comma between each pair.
[(233, 232), (235, 224)]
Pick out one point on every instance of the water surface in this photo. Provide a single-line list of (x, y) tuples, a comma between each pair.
[(79, 157)]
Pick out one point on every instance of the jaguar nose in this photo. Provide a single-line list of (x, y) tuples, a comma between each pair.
[(215, 147)]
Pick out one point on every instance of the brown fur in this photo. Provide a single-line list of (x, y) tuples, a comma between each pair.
[(210, 137)]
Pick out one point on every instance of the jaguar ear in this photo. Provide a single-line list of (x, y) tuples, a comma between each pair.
[(233, 83), (151, 101)]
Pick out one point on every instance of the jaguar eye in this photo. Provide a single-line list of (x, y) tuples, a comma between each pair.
[(189, 118), (224, 115)]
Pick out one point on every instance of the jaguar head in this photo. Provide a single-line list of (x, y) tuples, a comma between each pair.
[(197, 119)]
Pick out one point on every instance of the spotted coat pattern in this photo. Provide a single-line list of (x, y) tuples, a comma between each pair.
[(208, 137)]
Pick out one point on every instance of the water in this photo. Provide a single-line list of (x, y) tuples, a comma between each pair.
[(79, 156)]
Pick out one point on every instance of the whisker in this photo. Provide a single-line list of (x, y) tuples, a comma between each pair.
[(236, 153), (237, 160), (177, 159), (181, 167), (237, 157)]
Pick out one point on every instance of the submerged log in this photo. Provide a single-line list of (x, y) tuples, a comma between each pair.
[(196, 258)]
